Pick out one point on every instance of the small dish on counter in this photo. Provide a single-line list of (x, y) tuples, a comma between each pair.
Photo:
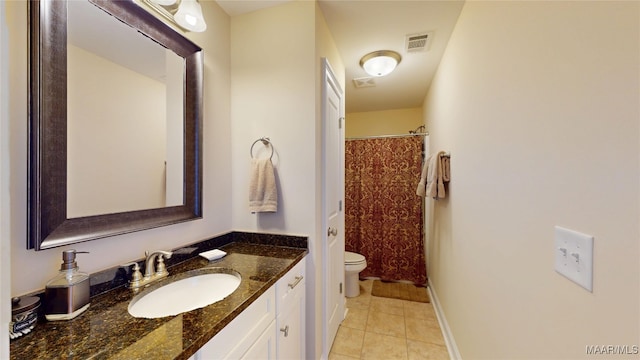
[(213, 254)]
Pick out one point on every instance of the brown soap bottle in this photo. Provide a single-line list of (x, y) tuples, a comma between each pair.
[(67, 295)]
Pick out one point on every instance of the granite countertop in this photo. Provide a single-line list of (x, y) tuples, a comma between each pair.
[(107, 331)]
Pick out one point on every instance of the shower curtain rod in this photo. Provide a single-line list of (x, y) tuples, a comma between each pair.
[(386, 136)]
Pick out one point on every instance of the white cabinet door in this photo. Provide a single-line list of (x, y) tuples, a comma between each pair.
[(265, 347), (290, 317), (291, 330), (238, 336)]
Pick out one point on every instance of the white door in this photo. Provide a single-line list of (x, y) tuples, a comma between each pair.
[(333, 216)]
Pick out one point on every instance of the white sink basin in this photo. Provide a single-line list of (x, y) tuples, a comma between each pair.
[(189, 291)]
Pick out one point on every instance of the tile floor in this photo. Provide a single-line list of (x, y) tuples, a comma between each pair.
[(383, 328)]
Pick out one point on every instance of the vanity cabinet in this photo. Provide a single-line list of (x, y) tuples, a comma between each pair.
[(264, 347), (245, 332), (272, 327), (290, 320)]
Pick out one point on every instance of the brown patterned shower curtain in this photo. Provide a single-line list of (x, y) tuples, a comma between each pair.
[(383, 214)]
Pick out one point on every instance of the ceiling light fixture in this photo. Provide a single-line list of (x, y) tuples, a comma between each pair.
[(380, 63), (165, 2), (185, 13)]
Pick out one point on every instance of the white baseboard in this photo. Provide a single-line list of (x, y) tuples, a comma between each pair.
[(454, 354)]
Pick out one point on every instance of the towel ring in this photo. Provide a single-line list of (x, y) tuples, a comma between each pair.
[(266, 141)]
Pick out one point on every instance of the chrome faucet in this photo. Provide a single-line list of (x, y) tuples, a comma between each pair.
[(151, 272), (160, 271)]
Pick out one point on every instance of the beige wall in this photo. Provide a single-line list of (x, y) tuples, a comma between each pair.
[(30, 270), (538, 103), (275, 92), (272, 95), (384, 122), (5, 197)]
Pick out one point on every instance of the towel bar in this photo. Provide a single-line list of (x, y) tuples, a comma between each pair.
[(266, 141)]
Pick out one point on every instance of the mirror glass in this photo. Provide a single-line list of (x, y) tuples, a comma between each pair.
[(124, 117), (115, 122)]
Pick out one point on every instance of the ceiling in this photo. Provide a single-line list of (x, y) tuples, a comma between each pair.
[(362, 26)]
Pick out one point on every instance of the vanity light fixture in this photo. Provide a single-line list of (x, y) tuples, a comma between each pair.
[(185, 13), (380, 63)]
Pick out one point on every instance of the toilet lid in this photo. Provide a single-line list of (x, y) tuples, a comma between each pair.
[(353, 258)]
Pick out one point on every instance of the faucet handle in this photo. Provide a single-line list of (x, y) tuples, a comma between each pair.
[(136, 276), (161, 269)]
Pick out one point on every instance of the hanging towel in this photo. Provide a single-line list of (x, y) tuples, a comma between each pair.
[(434, 177), (421, 190), (446, 172), (263, 194), (435, 172)]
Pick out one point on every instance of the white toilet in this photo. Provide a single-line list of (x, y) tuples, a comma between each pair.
[(353, 264)]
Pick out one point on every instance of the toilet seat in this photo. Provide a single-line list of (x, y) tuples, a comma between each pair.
[(351, 258)]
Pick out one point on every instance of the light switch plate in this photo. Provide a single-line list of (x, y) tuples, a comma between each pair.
[(574, 256)]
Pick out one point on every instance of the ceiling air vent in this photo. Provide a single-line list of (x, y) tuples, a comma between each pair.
[(419, 42), (364, 82)]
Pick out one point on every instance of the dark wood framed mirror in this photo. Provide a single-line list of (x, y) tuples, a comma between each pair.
[(49, 221)]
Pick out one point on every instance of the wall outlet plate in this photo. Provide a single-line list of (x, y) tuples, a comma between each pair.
[(574, 256)]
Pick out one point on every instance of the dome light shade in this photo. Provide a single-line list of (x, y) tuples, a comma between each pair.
[(189, 16), (164, 2), (380, 63)]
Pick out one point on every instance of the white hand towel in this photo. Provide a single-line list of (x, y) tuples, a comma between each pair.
[(433, 175), (420, 191), (435, 172), (263, 194)]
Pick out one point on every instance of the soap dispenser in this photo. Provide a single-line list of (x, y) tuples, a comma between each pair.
[(67, 295)]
